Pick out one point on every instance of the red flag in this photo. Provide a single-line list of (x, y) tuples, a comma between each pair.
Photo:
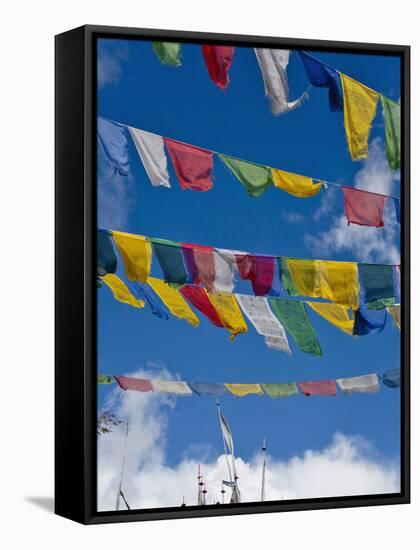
[(364, 208), (137, 384), (199, 260), (259, 270), (322, 387), (218, 60), (199, 299), (193, 165)]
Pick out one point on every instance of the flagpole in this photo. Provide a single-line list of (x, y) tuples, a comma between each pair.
[(117, 504), (263, 449)]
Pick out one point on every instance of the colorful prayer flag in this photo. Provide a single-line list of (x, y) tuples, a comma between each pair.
[(207, 388), (173, 301), (106, 258), (369, 321), (392, 114), (169, 53), (136, 253), (294, 184), (228, 312), (200, 300), (254, 177), (322, 75), (152, 154), (121, 291), (377, 285), (360, 103), (104, 379), (172, 387), (171, 261), (395, 312), (280, 390), (192, 165), (113, 140), (363, 208), (201, 264), (337, 315), (259, 270), (321, 387), (392, 378), (368, 383), (240, 390), (136, 384), (218, 60), (146, 293)]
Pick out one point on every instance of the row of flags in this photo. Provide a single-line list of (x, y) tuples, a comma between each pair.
[(194, 169), (357, 101), (349, 284), (367, 383)]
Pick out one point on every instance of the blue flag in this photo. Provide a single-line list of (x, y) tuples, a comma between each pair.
[(207, 388), (105, 253), (369, 321), (113, 140), (324, 76), (145, 292), (392, 378)]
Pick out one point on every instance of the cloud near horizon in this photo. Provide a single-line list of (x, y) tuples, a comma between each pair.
[(349, 465)]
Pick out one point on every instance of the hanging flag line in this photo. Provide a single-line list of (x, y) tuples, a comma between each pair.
[(218, 153), (367, 383)]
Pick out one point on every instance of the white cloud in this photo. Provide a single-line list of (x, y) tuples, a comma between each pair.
[(369, 244), (110, 59), (348, 466)]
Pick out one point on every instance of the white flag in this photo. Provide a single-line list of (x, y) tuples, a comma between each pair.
[(367, 383), (151, 149), (170, 386)]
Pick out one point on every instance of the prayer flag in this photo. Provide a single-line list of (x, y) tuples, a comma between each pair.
[(240, 390), (369, 321), (335, 314), (259, 270), (368, 383), (106, 258), (120, 290), (286, 277), (136, 384), (224, 263), (228, 311), (392, 378), (174, 387), (152, 153), (395, 312), (113, 140), (294, 184), (169, 53), (173, 301), (218, 60), (146, 293), (360, 103), (207, 388), (104, 379), (321, 387), (392, 113), (322, 75), (254, 177), (192, 165), (200, 262), (280, 390), (199, 299), (377, 285), (294, 317), (170, 257), (136, 253), (363, 208), (273, 64)]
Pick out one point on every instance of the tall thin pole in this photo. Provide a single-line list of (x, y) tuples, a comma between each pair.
[(117, 503), (263, 450)]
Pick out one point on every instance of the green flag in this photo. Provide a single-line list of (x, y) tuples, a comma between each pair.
[(286, 278), (280, 390), (293, 315), (391, 112), (104, 379), (255, 177), (169, 53)]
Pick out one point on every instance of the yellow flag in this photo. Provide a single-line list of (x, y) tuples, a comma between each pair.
[(228, 311), (299, 186), (395, 312), (174, 301), (240, 390), (360, 104), (136, 252), (120, 290), (338, 315), (335, 281)]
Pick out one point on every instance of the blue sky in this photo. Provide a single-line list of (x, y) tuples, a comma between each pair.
[(183, 103)]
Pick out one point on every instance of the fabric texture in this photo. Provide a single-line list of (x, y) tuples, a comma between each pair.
[(113, 140), (256, 178), (363, 208), (207, 388), (145, 292), (173, 387), (240, 390), (294, 318), (136, 253), (224, 266), (106, 257), (335, 314), (368, 321), (280, 390), (169, 53), (392, 113), (136, 384), (392, 378), (259, 270), (395, 312), (368, 383), (228, 312), (193, 166), (321, 387), (151, 151), (294, 184), (265, 322), (171, 260), (377, 284), (199, 299), (286, 277), (121, 291), (200, 262), (218, 60), (335, 281), (324, 76), (104, 379), (273, 64), (173, 301), (360, 103)]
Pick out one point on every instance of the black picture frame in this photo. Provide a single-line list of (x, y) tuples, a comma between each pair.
[(75, 282)]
